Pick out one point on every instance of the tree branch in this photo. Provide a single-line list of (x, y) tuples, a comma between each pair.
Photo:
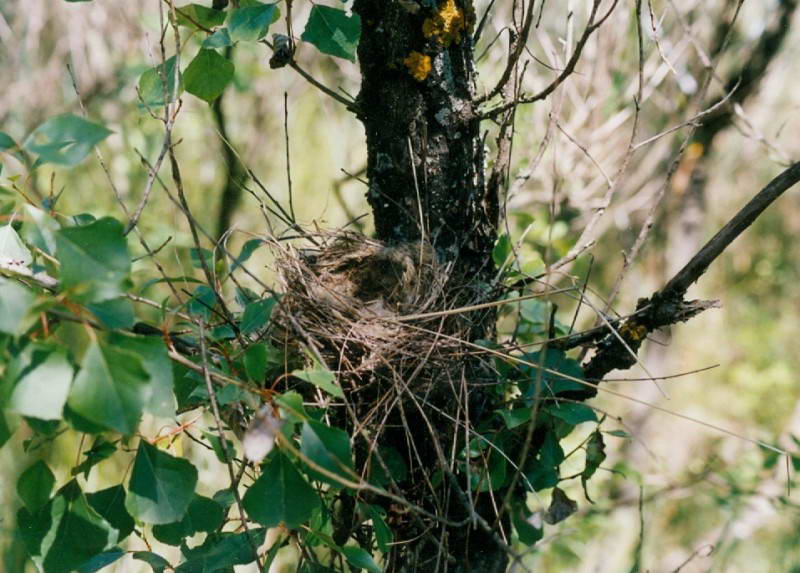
[(667, 306), (235, 173), (591, 26)]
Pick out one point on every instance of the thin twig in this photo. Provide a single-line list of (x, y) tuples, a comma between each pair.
[(591, 27)]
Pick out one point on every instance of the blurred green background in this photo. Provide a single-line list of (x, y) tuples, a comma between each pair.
[(678, 494)]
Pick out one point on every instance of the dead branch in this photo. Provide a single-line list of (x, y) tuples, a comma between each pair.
[(667, 306)]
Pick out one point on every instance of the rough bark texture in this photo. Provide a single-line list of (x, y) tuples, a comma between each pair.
[(425, 154), (426, 181)]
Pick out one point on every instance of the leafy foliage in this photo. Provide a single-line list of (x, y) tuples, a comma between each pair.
[(65, 139), (159, 85), (94, 260), (333, 32), (280, 495), (161, 486), (110, 389), (106, 383), (207, 75), (251, 22), (85, 353)]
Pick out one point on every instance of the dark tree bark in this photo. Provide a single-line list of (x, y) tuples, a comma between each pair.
[(425, 154), (426, 181), (235, 172)]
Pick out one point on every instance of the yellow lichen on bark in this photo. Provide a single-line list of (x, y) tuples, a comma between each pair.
[(633, 332), (446, 25), (419, 65)]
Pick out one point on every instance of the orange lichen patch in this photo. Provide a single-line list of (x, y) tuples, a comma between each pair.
[(419, 65), (446, 25)]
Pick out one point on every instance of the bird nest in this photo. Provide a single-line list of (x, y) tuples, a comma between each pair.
[(380, 316)]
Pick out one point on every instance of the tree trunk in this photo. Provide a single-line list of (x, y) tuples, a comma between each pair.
[(426, 182), (425, 154)]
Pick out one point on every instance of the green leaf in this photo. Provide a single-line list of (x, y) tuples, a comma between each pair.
[(247, 251), (618, 433), (114, 314), (489, 476), (231, 393), (551, 454), (39, 229), (328, 448), (159, 83), (220, 552), (219, 39), (562, 371), (595, 455), (154, 560), (208, 75), (110, 503), (202, 302), (100, 450), (572, 413), (152, 351), (13, 252), (65, 139), (42, 391), (280, 495), (502, 250), (161, 486), (83, 219), (561, 507), (255, 362), (111, 388), (225, 497), (515, 417), (94, 260), (527, 530), (43, 428), (204, 514), (321, 378), (80, 423), (250, 23), (75, 532), (20, 363), (194, 15), (187, 382), (35, 485), (535, 319), (15, 302), (383, 535), (333, 32), (201, 256), (32, 528), (542, 476), (358, 557), (292, 405), (6, 430), (256, 315), (216, 445), (101, 560), (6, 142)]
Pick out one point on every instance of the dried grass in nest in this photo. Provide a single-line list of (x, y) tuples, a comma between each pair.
[(377, 314)]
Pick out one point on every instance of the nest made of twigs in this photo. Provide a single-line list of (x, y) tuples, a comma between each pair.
[(378, 315)]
